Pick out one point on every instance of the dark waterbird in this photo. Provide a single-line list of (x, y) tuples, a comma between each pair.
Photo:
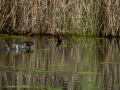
[(59, 41)]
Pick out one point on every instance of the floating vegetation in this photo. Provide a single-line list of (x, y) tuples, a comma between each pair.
[(87, 82), (30, 53), (20, 52), (83, 65), (2, 37), (86, 58), (40, 58), (113, 84), (100, 38), (88, 73), (80, 63), (2, 34), (5, 71), (73, 57), (35, 86), (40, 78), (80, 39), (32, 69), (39, 50), (37, 53), (4, 66), (77, 46), (101, 46), (32, 60), (56, 66), (64, 45), (43, 49), (109, 63), (93, 88), (47, 49), (44, 36), (20, 36), (83, 37), (28, 86), (73, 37)]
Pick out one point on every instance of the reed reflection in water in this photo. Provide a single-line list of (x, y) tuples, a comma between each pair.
[(77, 64)]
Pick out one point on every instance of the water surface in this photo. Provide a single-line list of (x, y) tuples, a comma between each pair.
[(76, 64)]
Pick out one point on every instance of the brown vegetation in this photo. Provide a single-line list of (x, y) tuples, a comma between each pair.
[(109, 18), (83, 17)]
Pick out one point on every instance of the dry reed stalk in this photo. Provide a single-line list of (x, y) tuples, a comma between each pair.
[(110, 20), (67, 16)]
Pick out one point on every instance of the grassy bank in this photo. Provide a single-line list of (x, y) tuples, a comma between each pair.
[(73, 17)]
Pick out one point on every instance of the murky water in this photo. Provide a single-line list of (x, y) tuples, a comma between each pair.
[(76, 64)]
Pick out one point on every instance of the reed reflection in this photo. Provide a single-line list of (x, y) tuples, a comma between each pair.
[(80, 64)]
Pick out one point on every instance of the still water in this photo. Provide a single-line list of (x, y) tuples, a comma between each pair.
[(76, 64)]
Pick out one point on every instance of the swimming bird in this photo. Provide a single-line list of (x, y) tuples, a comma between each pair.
[(27, 43), (59, 41)]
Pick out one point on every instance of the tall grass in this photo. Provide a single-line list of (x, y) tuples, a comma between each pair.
[(109, 18), (81, 17)]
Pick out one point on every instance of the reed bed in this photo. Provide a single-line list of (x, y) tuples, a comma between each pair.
[(109, 18), (78, 17)]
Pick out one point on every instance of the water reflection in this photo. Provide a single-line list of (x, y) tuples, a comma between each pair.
[(79, 64)]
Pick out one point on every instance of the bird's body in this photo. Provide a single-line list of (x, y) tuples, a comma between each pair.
[(27, 43), (58, 41)]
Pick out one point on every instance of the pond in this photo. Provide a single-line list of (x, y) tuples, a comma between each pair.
[(78, 63)]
